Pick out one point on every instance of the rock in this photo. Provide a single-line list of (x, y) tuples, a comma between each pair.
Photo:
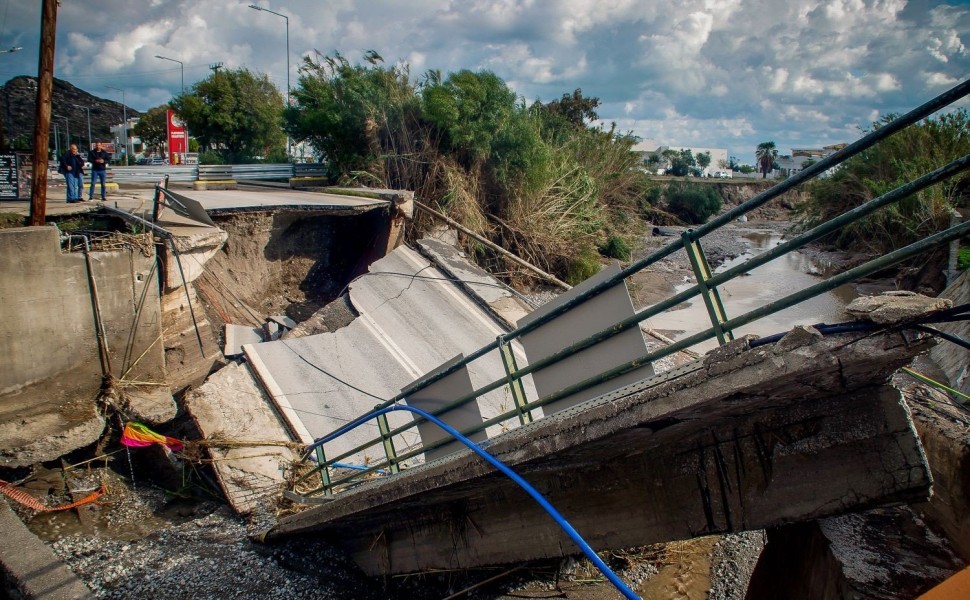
[(895, 307)]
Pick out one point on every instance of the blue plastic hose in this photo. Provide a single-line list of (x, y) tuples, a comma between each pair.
[(522, 483)]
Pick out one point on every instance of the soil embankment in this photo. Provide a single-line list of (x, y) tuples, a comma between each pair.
[(286, 262)]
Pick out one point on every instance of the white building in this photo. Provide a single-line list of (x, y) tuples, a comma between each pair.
[(719, 156), (789, 165)]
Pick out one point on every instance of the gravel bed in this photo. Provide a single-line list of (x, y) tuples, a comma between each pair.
[(732, 563), (211, 557)]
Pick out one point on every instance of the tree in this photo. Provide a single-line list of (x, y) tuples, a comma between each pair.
[(703, 160), (472, 110), (766, 154), (682, 163), (152, 127), (237, 113), (574, 108), (348, 113), (895, 161), (694, 203)]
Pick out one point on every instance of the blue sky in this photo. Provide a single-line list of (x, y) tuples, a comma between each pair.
[(712, 73)]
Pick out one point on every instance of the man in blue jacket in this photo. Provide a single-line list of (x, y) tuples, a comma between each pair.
[(71, 166), (99, 159)]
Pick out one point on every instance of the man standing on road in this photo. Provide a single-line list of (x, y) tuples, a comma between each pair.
[(99, 163), (71, 166)]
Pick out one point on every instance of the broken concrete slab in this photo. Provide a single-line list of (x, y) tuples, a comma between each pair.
[(480, 285), (774, 437), (893, 307), (947, 446), (272, 331), (152, 405), (407, 327), (238, 336), (283, 320), (251, 449), (333, 316), (29, 567), (33, 433), (883, 554), (51, 321)]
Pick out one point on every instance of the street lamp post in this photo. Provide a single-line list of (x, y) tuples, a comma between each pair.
[(182, 74), (181, 68), (68, 122), (57, 144), (124, 116), (90, 141), (287, 19)]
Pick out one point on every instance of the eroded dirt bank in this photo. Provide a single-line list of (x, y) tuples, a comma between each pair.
[(285, 262)]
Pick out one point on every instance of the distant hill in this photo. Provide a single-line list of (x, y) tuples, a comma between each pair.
[(17, 99)]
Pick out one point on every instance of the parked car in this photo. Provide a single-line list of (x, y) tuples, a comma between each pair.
[(721, 175), (157, 160), (142, 160)]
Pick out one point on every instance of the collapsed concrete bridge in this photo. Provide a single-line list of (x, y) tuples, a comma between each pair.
[(745, 438)]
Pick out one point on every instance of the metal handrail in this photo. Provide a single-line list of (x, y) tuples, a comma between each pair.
[(814, 170)]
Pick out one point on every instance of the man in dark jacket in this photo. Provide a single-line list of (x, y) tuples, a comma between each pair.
[(99, 159), (71, 166)]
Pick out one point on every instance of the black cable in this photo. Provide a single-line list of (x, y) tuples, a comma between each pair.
[(959, 341), (949, 315)]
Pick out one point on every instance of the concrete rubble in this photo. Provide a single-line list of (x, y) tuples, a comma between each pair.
[(246, 441)]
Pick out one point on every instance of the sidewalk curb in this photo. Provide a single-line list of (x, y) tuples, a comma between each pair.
[(29, 568)]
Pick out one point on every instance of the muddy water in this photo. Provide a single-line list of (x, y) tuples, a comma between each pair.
[(779, 278)]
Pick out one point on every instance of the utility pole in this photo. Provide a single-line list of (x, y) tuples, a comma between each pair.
[(42, 122)]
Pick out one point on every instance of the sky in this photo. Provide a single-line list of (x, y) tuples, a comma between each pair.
[(700, 73)]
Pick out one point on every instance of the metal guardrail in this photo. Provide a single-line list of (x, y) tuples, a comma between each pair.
[(706, 286), (154, 174), (272, 171)]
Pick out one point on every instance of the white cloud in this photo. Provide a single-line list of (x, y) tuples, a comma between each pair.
[(734, 71)]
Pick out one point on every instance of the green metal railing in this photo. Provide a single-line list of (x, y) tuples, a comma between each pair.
[(706, 287)]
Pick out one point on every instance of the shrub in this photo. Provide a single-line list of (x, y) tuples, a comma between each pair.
[(693, 202), (963, 259), (909, 154), (211, 158), (616, 247), (582, 266)]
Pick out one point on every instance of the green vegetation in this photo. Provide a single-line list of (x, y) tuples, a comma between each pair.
[(692, 202), (909, 154), (152, 127), (235, 113), (963, 259), (616, 247), (537, 179), (766, 154), (11, 220)]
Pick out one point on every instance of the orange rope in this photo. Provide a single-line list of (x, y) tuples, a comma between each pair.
[(30, 502)]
